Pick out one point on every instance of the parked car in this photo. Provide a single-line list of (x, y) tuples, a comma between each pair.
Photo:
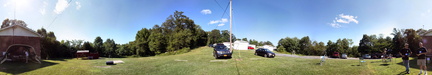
[(210, 45), (376, 55), (366, 56), (335, 55), (344, 56), (250, 47), (220, 50), (264, 52)]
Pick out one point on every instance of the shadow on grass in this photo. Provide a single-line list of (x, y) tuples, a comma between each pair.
[(413, 64), (22, 67), (224, 58), (384, 64), (402, 73)]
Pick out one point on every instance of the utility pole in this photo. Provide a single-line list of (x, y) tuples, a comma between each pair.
[(231, 45)]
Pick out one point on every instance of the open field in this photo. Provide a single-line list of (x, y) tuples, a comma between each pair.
[(200, 61)]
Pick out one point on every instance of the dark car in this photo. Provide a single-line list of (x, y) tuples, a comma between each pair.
[(220, 50), (264, 52)]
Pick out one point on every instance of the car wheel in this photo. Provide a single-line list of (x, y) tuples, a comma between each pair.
[(265, 55), (216, 57)]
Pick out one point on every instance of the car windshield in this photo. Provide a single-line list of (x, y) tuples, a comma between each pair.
[(267, 50), (220, 47)]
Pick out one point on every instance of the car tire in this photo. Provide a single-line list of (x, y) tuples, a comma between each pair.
[(265, 55), (215, 56)]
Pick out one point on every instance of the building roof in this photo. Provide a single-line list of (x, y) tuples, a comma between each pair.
[(241, 41), (18, 30), (83, 51)]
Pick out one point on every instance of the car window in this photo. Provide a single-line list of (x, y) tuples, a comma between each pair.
[(220, 47)]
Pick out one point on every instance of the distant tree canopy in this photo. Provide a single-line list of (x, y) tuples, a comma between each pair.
[(8, 22), (307, 47)]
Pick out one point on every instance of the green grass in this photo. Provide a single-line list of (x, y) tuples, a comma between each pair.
[(198, 62)]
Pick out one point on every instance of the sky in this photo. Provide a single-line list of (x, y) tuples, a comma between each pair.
[(262, 20)]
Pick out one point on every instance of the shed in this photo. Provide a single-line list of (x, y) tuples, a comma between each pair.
[(86, 53), (241, 45), (269, 47), (17, 42)]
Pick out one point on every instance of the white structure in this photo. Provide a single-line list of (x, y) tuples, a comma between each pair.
[(227, 44), (269, 47), (241, 45)]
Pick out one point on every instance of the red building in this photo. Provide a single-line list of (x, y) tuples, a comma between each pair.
[(86, 53), (427, 42), (18, 42)]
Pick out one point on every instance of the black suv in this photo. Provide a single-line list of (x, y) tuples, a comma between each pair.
[(220, 50), (264, 52)]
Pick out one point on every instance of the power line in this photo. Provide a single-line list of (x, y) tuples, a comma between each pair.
[(225, 9), (57, 16), (218, 4)]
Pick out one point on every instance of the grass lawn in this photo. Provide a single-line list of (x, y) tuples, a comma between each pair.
[(200, 61)]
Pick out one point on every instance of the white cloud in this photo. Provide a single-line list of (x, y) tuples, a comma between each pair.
[(61, 6), (206, 11), (43, 10), (427, 13), (6, 4), (78, 5), (335, 25), (346, 19), (221, 22)]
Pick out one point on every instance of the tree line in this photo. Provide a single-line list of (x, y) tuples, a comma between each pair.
[(368, 44), (178, 34)]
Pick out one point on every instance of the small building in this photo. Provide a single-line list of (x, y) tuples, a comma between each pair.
[(227, 44), (269, 47), (427, 41), (241, 45), (86, 53), (18, 42)]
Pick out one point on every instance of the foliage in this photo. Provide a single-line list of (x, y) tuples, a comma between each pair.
[(51, 48), (98, 45), (8, 22), (110, 48)]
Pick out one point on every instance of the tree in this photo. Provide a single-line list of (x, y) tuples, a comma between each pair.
[(290, 44), (110, 48), (244, 39), (87, 46), (413, 39), (98, 45), (365, 45), (51, 48), (5, 23), (8, 22), (305, 44), (281, 49), (141, 40), (268, 43), (214, 36), (157, 41), (225, 36)]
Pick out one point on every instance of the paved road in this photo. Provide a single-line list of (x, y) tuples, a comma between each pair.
[(308, 57)]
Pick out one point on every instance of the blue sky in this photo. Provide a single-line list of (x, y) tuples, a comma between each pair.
[(263, 20)]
